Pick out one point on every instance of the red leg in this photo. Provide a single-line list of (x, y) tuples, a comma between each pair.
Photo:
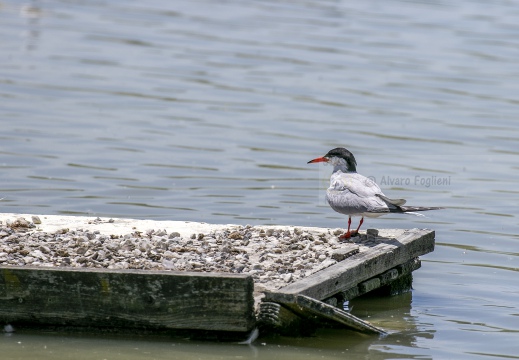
[(355, 232), (347, 234)]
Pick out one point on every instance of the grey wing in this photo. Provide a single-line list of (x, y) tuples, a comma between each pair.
[(355, 194), (396, 202)]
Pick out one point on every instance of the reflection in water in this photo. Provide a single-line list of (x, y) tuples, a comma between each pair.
[(394, 314)]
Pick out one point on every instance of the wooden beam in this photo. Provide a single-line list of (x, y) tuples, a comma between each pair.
[(313, 311), (126, 298), (384, 254), (274, 317)]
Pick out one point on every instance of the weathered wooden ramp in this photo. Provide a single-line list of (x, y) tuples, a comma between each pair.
[(296, 314)]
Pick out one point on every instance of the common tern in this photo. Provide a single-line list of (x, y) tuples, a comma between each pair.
[(353, 194)]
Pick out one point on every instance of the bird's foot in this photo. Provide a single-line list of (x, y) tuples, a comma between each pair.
[(348, 235), (345, 236)]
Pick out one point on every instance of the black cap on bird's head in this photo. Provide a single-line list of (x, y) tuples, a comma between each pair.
[(338, 153)]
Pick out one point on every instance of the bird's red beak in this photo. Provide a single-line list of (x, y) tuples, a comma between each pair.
[(321, 159)]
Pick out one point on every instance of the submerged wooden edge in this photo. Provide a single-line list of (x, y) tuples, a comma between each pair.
[(308, 307), (126, 298), (360, 267)]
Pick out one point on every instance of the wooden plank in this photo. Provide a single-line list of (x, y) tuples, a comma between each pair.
[(385, 254), (126, 298), (316, 310), (391, 282), (274, 317)]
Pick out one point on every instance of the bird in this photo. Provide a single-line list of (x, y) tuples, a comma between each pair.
[(353, 194)]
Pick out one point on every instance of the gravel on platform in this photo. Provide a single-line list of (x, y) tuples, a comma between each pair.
[(274, 257)]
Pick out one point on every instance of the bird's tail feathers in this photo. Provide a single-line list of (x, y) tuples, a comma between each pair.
[(414, 213), (413, 209)]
